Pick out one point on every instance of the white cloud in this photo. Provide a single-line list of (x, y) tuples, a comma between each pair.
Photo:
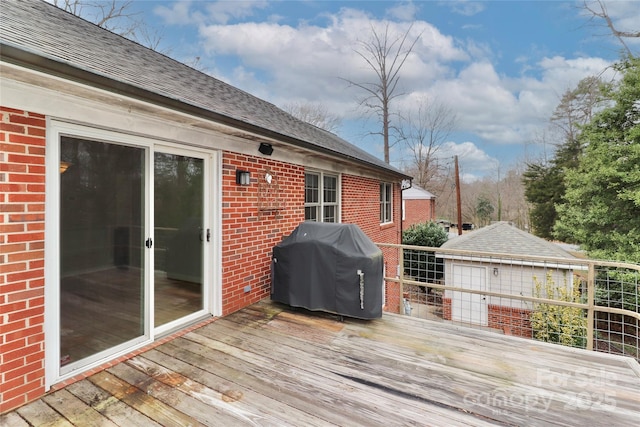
[(403, 12), (184, 12), (465, 7), (473, 161), (308, 61), (509, 110), (305, 61), (178, 13), (223, 11)]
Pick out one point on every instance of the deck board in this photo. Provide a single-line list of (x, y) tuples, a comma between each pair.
[(109, 406), (270, 365)]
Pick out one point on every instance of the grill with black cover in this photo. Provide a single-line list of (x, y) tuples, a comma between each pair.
[(329, 267)]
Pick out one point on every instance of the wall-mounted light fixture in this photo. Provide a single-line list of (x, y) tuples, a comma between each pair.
[(64, 166), (265, 148), (243, 177), (495, 271)]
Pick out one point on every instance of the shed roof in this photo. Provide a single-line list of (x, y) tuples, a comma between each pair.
[(38, 35), (504, 238), (417, 193)]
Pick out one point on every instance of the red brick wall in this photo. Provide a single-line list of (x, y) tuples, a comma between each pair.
[(248, 236), (248, 233), (417, 211), (446, 308), (512, 321), (22, 143), (361, 206)]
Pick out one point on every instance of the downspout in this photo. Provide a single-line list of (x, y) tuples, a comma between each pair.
[(402, 188), (405, 304)]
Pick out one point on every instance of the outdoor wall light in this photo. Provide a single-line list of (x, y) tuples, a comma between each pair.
[(243, 177), (495, 271), (265, 148), (64, 166)]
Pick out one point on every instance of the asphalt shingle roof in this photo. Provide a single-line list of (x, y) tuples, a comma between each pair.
[(417, 193), (41, 29), (506, 239)]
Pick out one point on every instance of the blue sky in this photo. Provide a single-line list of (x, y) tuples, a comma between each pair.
[(501, 66)]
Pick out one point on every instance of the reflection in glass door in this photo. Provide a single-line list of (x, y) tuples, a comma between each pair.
[(179, 236), (102, 258)]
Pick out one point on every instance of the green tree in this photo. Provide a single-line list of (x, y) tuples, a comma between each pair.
[(544, 182), (484, 210), (544, 189), (601, 207)]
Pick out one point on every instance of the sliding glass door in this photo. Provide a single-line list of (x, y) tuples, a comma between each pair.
[(102, 254), (133, 235), (180, 236)]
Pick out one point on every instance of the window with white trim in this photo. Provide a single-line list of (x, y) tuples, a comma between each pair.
[(386, 199), (321, 197)]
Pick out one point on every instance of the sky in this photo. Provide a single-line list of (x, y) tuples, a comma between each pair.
[(500, 66)]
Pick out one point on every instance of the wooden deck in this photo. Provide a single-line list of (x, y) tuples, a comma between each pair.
[(269, 365)]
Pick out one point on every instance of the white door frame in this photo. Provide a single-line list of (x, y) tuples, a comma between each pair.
[(206, 284), (212, 285)]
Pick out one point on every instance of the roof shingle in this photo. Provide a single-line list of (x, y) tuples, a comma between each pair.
[(503, 238)]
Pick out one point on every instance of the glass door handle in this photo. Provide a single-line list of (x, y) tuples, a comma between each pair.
[(208, 235), (149, 243)]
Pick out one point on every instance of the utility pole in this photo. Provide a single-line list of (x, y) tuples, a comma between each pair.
[(458, 202)]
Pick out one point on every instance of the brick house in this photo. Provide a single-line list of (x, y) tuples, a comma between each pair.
[(488, 272), (140, 197), (418, 206)]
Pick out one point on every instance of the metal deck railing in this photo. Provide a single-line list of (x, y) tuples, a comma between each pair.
[(577, 302)]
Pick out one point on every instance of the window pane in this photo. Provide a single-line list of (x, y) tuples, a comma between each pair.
[(330, 189), (310, 213), (382, 195), (102, 220), (329, 214), (178, 246), (385, 202), (311, 193)]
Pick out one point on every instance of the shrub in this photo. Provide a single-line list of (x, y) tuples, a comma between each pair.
[(423, 265), (619, 288), (556, 323), (425, 234)]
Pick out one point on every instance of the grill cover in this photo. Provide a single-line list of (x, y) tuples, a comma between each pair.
[(317, 266)]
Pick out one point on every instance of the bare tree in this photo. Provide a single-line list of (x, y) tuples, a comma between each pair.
[(511, 199), (424, 132), (116, 16), (385, 54), (598, 10), (577, 107), (316, 114)]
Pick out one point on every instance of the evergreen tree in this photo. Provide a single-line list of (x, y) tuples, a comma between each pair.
[(545, 182), (544, 188), (601, 208), (484, 210)]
